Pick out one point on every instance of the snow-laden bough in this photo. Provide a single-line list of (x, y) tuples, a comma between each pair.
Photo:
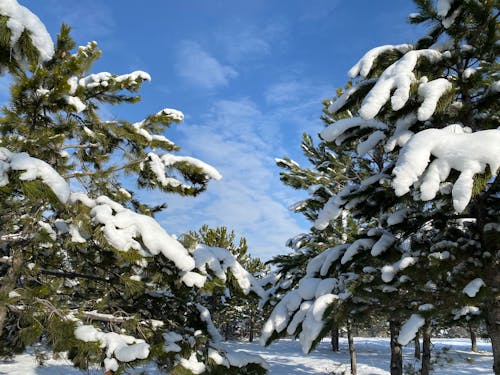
[(468, 153)]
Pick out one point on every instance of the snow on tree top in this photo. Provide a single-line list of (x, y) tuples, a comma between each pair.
[(313, 322), (443, 7), (104, 78), (466, 310), (193, 364), (385, 241), (21, 19), (453, 149), (370, 143), (219, 261), (33, 168), (355, 247), (172, 113), (364, 65), (307, 304), (321, 263), (332, 209), (396, 79), (335, 130), (75, 102), (342, 99), (170, 159), (390, 270), (431, 92), (410, 328), (472, 288), (122, 226), (401, 135), (123, 347)]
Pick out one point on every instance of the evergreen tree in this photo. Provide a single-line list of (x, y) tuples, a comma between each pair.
[(427, 195), (294, 274), (236, 313), (85, 267)]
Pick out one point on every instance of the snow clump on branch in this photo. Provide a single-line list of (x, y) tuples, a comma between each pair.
[(22, 20), (468, 153)]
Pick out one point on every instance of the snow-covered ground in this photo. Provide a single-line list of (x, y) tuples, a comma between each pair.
[(286, 357), (373, 355)]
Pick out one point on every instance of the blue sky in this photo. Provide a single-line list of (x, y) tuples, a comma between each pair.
[(249, 77)]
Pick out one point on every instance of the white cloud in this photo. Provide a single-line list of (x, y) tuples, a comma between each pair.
[(321, 10), (244, 45), (298, 102), (293, 92), (201, 69), (284, 92), (240, 141)]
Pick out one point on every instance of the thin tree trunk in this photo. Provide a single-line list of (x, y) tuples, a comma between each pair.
[(473, 338), (493, 325), (352, 349), (396, 350), (335, 338), (250, 333), (492, 281), (9, 283), (417, 352), (426, 348)]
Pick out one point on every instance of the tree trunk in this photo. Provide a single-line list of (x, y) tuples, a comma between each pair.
[(491, 276), (9, 283), (250, 329), (352, 349), (493, 325), (426, 348), (396, 350), (492, 281), (473, 338), (335, 338), (417, 353)]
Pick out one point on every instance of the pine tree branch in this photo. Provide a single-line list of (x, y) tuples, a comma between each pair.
[(73, 275), (93, 315), (51, 308), (110, 170), (12, 237), (85, 145)]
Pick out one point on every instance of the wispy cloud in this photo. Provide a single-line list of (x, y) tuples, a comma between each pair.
[(247, 199), (246, 44), (322, 9), (201, 69), (298, 102), (90, 20), (241, 138), (285, 92)]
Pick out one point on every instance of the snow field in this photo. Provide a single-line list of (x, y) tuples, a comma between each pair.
[(285, 357), (373, 354)]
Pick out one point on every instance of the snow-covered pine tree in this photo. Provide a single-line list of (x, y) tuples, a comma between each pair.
[(235, 313), (334, 169), (423, 117), (296, 281), (85, 268)]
